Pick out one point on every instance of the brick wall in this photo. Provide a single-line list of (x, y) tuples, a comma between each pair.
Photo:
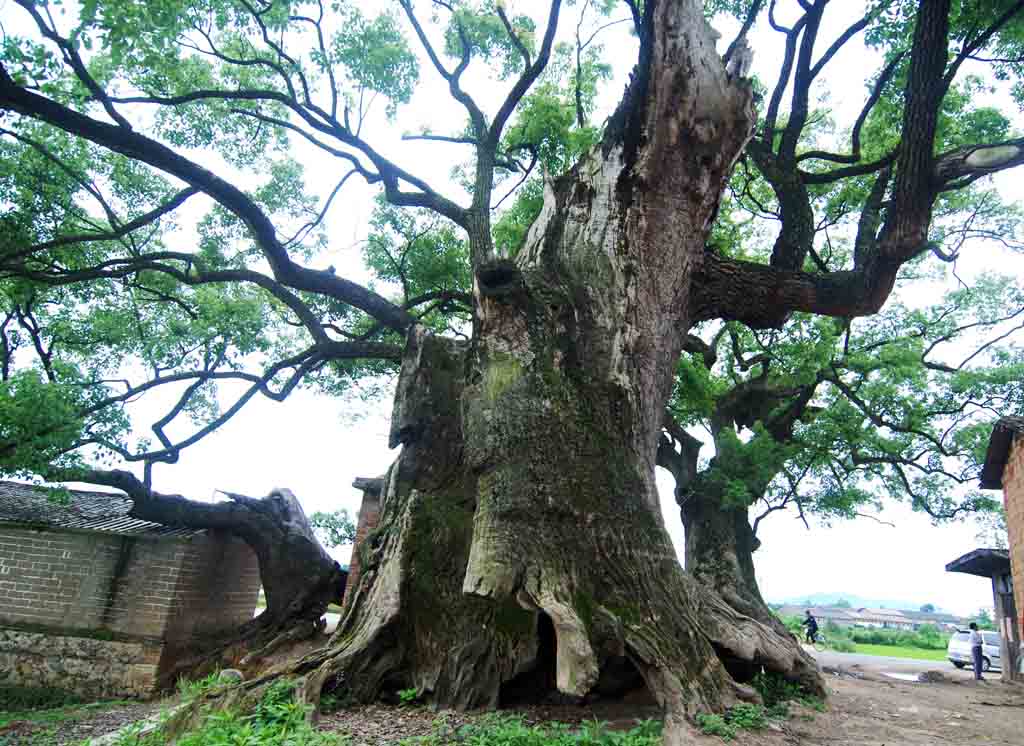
[(1013, 495), (55, 578), (217, 587), (369, 517), (143, 591), (143, 595)]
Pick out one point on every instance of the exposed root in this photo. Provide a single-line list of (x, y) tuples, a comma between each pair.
[(300, 631)]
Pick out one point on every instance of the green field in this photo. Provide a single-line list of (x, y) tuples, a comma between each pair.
[(899, 651)]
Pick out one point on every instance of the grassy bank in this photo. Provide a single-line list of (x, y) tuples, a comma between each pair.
[(900, 651)]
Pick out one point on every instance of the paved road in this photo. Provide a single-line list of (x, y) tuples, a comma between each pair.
[(878, 664)]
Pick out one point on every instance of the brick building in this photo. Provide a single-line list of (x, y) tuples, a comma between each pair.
[(1004, 468), (369, 517), (102, 604)]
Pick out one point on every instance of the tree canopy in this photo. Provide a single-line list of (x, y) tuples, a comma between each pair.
[(100, 310)]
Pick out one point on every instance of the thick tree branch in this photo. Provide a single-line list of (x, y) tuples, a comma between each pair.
[(153, 153)]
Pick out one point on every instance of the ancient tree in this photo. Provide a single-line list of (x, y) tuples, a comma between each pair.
[(829, 418), (520, 530)]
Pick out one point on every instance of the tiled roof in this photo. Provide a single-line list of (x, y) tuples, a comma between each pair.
[(1003, 433), (103, 512)]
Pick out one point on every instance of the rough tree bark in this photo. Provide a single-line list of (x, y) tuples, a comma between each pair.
[(720, 542), (524, 494), (720, 539), (520, 522)]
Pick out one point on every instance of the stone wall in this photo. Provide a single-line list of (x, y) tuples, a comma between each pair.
[(91, 668), (1013, 495)]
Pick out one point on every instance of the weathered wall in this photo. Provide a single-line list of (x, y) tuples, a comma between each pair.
[(87, 581), (369, 517), (1013, 495), (129, 603), (217, 585), (88, 667)]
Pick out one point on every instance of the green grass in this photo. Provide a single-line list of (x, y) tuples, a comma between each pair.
[(276, 720), (901, 651), (46, 722), (501, 729), (59, 714)]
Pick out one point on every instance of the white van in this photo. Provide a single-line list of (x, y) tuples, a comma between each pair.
[(959, 650)]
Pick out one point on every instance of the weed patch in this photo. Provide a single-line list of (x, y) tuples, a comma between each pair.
[(26, 698), (275, 721), (510, 730)]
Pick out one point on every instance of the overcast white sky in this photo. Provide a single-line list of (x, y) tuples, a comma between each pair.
[(316, 445)]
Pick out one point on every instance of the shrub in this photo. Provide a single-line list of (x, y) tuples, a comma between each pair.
[(715, 725), (408, 696), (276, 720), (774, 688), (927, 638), (192, 688), (842, 645), (747, 716)]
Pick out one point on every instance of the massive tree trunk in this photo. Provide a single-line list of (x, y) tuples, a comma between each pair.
[(523, 501), (719, 540), (720, 546)]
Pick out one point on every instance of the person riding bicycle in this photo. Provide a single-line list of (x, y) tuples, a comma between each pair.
[(812, 627)]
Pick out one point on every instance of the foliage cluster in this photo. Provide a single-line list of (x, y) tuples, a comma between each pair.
[(336, 529), (776, 691), (926, 638), (192, 688), (743, 716)]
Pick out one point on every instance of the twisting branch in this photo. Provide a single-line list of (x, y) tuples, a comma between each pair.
[(530, 74), (159, 156), (978, 42)]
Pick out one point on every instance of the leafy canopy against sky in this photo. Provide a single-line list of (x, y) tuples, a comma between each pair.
[(124, 287)]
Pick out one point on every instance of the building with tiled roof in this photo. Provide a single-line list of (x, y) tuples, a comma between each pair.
[(99, 603), (1004, 469)]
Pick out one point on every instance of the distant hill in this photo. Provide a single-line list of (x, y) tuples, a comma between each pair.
[(828, 599)]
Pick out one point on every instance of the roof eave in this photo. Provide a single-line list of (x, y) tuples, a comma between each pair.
[(1003, 434)]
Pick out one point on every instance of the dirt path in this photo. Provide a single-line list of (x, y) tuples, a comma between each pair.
[(873, 712), (865, 711)]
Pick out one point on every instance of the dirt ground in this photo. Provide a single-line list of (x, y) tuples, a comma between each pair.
[(875, 712), (864, 709)]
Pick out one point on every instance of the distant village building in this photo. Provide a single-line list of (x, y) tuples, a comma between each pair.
[(98, 603), (1004, 469), (844, 616)]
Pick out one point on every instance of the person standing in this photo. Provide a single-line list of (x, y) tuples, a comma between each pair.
[(976, 656)]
